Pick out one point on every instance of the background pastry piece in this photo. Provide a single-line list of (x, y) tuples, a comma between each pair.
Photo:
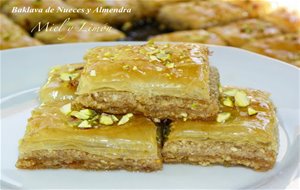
[(56, 140), (196, 36), (80, 31), (284, 47), (240, 32), (245, 135), (255, 8), (287, 20), (113, 18), (151, 8), (29, 20), (199, 14), (13, 36), (62, 83), (159, 81)]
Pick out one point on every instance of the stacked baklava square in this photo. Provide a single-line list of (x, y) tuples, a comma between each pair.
[(113, 112)]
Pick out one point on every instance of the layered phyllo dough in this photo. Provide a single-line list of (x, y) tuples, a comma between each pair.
[(114, 12), (287, 20), (240, 32), (283, 47), (157, 80), (196, 36), (13, 36), (255, 8), (152, 7), (244, 133), (62, 83), (59, 137), (80, 30), (32, 14), (199, 14)]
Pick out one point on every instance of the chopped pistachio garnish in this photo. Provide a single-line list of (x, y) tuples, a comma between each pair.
[(107, 54), (228, 102), (231, 92), (135, 68), (251, 111), (93, 73), (125, 118), (106, 119), (114, 118), (184, 115), (241, 99), (153, 58), (126, 67), (68, 76), (66, 109), (163, 56), (83, 114), (194, 106), (170, 65), (85, 124), (222, 117)]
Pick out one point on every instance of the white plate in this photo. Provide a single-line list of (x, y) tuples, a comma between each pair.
[(24, 71)]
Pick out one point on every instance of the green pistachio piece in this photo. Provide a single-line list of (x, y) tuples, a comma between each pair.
[(222, 117), (125, 119), (114, 118), (228, 102), (106, 119), (251, 111), (68, 76), (231, 92), (170, 65), (66, 109), (241, 99), (85, 124), (83, 114)]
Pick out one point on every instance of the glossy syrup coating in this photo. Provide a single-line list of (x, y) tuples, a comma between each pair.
[(50, 129), (241, 127), (178, 70), (195, 36), (58, 89), (284, 47), (241, 32)]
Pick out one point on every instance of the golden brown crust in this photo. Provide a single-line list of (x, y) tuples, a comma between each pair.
[(13, 36), (243, 31), (283, 47), (157, 106), (43, 159), (199, 14), (195, 36)]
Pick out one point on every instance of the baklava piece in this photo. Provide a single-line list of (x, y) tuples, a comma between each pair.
[(196, 36), (32, 15), (151, 8), (284, 47), (62, 83), (255, 8), (59, 137), (199, 14), (80, 31), (157, 80), (13, 36), (114, 12), (240, 32), (244, 133), (287, 20)]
